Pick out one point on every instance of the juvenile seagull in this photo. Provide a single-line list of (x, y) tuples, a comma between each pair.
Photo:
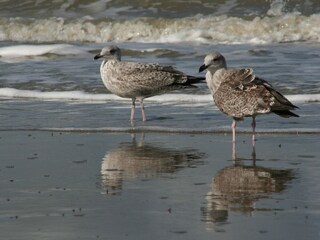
[(139, 80), (239, 93)]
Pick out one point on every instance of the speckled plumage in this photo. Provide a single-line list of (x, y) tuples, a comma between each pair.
[(239, 93), (139, 80)]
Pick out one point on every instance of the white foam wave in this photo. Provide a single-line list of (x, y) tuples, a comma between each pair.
[(39, 50), (165, 98), (59, 95), (287, 27), (304, 98)]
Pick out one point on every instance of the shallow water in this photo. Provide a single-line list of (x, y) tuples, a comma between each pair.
[(63, 91)]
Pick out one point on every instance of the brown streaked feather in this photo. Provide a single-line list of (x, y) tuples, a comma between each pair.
[(282, 99), (241, 94)]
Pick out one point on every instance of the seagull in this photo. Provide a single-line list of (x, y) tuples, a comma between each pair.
[(139, 80), (239, 93)]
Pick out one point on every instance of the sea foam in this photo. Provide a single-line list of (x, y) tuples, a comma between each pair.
[(39, 50), (165, 98), (284, 27)]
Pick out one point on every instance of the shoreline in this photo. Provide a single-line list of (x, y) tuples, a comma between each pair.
[(166, 130)]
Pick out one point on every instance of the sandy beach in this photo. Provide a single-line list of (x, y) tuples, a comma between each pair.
[(60, 185)]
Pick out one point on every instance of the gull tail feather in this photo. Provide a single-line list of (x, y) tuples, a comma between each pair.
[(194, 80), (285, 113)]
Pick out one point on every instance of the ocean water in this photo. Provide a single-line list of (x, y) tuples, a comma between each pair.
[(49, 80)]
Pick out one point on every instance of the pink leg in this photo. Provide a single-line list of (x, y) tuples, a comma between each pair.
[(234, 157), (233, 126), (133, 105), (253, 124), (142, 111)]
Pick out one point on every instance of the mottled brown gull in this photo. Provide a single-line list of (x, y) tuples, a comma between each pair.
[(139, 80), (239, 93)]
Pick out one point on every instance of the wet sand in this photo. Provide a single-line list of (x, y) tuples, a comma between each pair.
[(158, 186)]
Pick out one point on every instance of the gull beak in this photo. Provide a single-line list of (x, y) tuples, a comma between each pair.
[(202, 68), (97, 56)]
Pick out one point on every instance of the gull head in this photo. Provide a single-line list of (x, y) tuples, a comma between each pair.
[(213, 62), (109, 53)]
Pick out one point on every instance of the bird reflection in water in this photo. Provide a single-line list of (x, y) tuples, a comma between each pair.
[(253, 154), (236, 189), (140, 160)]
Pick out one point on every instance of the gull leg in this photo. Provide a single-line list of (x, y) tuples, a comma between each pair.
[(234, 156), (133, 105), (233, 126), (142, 111), (253, 124)]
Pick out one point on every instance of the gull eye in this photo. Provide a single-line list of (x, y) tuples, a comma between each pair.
[(112, 51), (215, 59)]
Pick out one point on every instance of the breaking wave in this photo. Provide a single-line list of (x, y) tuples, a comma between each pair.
[(211, 29), (38, 50)]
